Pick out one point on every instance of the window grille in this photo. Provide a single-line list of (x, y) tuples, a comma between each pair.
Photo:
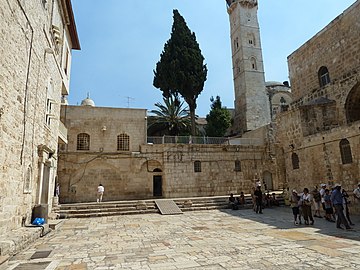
[(197, 166), (237, 166), (345, 151), (295, 161), (83, 142), (123, 142)]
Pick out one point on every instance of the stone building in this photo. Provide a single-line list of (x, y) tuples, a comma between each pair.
[(251, 101), (109, 146), (320, 132), (35, 47)]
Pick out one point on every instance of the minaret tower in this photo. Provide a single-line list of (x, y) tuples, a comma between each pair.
[(251, 101)]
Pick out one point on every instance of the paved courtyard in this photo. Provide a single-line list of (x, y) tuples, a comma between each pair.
[(224, 239)]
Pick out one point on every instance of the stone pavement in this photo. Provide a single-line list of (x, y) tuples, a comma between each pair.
[(225, 239)]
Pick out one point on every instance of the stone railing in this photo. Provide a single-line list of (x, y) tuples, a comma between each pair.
[(202, 140)]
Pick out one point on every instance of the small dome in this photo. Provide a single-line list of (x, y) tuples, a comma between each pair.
[(273, 83), (88, 102)]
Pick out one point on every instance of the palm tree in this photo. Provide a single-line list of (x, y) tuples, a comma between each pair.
[(169, 118)]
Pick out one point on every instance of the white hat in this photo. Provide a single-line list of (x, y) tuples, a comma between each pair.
[(294, 191), (337, 185), (323, 185)]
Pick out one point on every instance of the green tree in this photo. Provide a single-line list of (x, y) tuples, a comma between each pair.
[(218, 119), (169, 118), (181, 69)]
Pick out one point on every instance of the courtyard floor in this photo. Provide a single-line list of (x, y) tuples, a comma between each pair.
[(223, 239)]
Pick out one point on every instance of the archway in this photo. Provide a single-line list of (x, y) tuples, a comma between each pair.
[(352, 105), (157, 183)]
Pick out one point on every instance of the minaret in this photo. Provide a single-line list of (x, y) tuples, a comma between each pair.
[(251, 101)]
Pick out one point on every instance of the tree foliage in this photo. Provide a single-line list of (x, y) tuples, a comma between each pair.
[(218, 119), (181, 69), (170, 118)]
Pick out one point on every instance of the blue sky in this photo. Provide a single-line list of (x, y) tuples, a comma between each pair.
[(122, 40)]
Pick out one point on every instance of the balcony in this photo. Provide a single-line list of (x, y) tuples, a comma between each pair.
[(62, 133)]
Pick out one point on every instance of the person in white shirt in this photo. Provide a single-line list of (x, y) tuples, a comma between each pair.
[(100, 193)]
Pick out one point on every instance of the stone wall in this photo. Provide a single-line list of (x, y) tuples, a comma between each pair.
[(336, 47), (131, 174), (321, 117), (31, 73), (104, 125)]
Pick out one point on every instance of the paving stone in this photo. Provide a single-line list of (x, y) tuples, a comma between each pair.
[(197, 240)]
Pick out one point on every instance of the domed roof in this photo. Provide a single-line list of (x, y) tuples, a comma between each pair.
[(88, 102), (273, 83)]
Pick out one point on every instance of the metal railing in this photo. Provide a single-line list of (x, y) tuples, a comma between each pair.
[(203, 140)]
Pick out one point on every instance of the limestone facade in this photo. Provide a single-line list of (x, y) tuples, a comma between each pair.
[(150, 170), (251, 101), (35, 48), (320, 133)]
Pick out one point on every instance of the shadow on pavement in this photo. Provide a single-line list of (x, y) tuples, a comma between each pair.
[(281, 218)]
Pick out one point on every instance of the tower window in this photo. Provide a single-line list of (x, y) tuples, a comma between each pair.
[(253, 63), (197, 166), (324, 76), (251, 38), (83, 142), (236, 43), (345, 151), (123, 142)]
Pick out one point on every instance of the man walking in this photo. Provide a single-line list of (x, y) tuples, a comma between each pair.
[(100, 193), (337, 201)]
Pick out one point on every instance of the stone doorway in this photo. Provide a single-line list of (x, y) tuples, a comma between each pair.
[(157, 186), (44, 196), (267, 176)]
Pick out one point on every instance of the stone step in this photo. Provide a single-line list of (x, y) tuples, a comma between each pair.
[(83, 210), (117, 213), (102, 205)]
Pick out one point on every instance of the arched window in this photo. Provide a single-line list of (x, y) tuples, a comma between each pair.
[(237, 166), (253, 63), (324, 76), (295, 161), (83, 142), (123, 142), (197, 166), (345, 151), (251, 38)]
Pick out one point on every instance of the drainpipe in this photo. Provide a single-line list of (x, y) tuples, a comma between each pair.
[(26, 82)]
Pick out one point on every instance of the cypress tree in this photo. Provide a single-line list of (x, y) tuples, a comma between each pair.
[(181, 69)]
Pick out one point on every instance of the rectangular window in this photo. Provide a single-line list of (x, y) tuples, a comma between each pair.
[(50, 104)]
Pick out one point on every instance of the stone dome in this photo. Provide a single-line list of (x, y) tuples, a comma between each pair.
[(88, 102), (273, 83)]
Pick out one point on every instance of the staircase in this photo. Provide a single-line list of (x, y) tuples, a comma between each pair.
[(86, 210)]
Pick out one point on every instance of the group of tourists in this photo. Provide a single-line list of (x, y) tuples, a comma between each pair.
[(333, 200), (260, 199)]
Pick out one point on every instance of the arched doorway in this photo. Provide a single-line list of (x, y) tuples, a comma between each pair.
[(267, 176), (157, 183)]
